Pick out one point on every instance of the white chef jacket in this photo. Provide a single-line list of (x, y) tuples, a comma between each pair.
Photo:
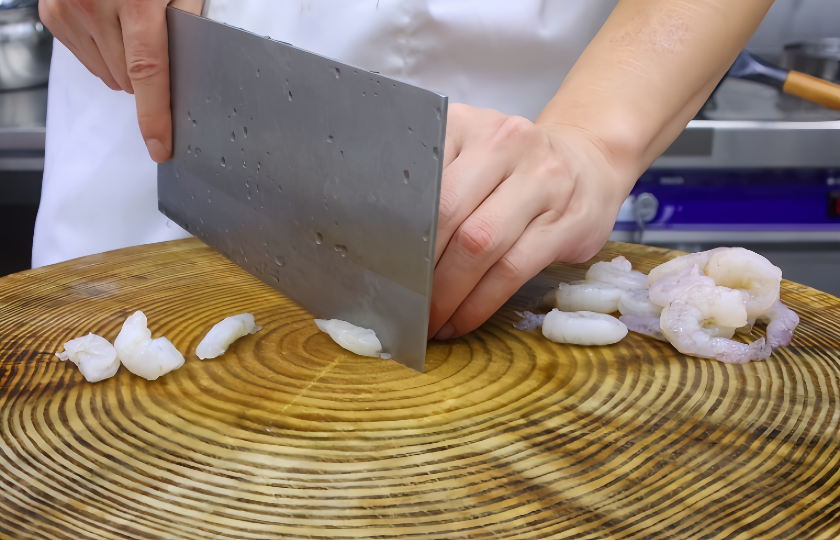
[(99, 191)]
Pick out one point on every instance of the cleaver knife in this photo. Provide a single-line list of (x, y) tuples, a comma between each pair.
[(319, 178)]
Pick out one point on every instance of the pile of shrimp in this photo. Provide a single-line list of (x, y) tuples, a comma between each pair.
[(696, 302)]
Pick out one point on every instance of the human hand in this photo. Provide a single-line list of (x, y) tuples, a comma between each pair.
[(124, 43), (515, 197)]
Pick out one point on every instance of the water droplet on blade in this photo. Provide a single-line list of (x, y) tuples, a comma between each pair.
[(245, 132), (290, 95), (319, 238), (405, 173), (337, 73), (341, 249), (223, 162), (329, 138), (233, 135), (280, 261), (435, 152)]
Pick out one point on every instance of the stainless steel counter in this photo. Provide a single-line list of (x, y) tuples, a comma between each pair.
[(23, 129)]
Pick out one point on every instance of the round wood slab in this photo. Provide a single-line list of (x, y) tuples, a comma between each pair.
[(505, 435)]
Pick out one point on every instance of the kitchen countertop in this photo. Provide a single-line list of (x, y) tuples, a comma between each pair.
[(23, 129)]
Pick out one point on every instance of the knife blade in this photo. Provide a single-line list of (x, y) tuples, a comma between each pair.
[(319, 178)]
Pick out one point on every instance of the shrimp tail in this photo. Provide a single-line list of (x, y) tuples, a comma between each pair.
[(530, 321), (648, 326), (732, 352), (781, 322)]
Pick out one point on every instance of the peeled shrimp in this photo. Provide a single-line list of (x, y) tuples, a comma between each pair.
[(361, 341), (665, 289), (680, 264), (530, 321), (693, 321), (739, 268), (149, 358), (781, 321), (618, 273), (587, 296), (648, 326), (636, 302), (583, 328), (219, 338), (94, 355)]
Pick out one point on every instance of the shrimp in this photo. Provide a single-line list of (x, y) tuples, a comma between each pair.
[(587, 296), (636, 302), (665, 289), (530, 321), (648, 326), (583, 328), (739, 268), (781, 321), (695, 320), (618, 273), (94, 355), (680, 264), (219, 338), (361, 341), (140, 354)]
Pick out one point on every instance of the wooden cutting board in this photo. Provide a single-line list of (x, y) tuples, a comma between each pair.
[(506, 435)]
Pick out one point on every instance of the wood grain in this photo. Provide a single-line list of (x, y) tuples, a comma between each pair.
[(505, 435)]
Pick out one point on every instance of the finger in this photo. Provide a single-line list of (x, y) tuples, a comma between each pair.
[(147, 63), (481, 240), (109, 40), (456, 126), (532, 252)]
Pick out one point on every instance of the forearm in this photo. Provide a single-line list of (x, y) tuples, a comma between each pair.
[(647, 73)]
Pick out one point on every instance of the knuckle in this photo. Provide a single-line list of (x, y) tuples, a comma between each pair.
[(85, 6), (446, 208), (144, 67), (515, 128), (477, 237), (511, 266)]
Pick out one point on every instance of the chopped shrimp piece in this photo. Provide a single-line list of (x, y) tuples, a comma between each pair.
[(665, 289), (530, 321), (618, 273), (781, 322), (140, 354), (361, 341), (739, 268), (680, 264), (583, 328), (695, 319), (648, 326), (637, 302), (587, 296), (95, 357), (219, 338)]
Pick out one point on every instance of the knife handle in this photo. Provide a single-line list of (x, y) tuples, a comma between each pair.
[(813, 89)]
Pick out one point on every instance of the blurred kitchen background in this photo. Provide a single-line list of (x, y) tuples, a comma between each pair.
[(757, 168)]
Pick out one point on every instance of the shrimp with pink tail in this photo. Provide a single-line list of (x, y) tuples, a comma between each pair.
[(781, 322), (530, 321)]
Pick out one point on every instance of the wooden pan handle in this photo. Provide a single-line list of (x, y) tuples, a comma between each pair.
[(813, 89)]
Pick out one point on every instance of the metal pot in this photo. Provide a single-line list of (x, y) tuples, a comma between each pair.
[(25, 45)]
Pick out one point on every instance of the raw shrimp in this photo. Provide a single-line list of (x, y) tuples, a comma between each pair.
[(781, 321), (361, 341), (219, 338), (587, 296), (94, 355), (648, 326), (618, 273), (680, 264), (665, 289), (739, 268), (583, 328), (530, 321), (140, 354), (695, 319), (636, 302)]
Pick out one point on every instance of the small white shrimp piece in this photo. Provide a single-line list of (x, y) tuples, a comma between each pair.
[(665, 289), (739, 268), (696, 318), (587, 296), (530, 321), (680, 264), (219, 338), (648, 326), (140, 354), (637, 302), (618, 273), (583, 328), (94, 355), (781, 322), (361, 341)]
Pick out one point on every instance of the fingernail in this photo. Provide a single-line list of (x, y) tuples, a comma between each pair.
[(446, 332), (157, 150)]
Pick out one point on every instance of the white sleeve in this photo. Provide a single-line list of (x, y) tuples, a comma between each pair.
[(100, 185)]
